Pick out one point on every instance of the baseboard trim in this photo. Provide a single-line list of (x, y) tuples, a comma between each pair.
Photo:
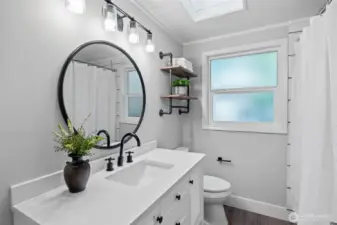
[(254, 206)]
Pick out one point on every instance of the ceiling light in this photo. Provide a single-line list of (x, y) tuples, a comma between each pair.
[(149, 45), (76, 6), (133, 36), (110, 18)]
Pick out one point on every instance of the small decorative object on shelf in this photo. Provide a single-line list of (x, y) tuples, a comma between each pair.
[(183, 63), (181, 87), (76, 144)]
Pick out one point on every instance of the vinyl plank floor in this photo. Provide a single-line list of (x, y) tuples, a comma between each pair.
[(240, 217)]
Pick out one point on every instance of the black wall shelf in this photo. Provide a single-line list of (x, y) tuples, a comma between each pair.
[(180, 72)]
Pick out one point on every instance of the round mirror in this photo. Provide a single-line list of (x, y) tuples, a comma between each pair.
[(101, 87)]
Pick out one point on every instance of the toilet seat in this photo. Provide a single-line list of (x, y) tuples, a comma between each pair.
[(216, 191), (215, 185)]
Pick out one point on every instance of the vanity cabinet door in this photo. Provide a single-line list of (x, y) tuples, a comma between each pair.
[(150, 218), (183, 221), (197, 196)]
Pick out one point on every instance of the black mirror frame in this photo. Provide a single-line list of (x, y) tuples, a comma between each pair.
[(63, 73)]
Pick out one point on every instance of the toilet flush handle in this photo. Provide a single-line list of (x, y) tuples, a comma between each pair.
[(221, 160)]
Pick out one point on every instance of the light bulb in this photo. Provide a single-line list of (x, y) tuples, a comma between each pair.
[(149, 45), (110, 18), (133, 36), (76, 6)]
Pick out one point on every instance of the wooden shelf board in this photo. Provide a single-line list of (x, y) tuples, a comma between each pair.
[(179, 97), (179, 71)]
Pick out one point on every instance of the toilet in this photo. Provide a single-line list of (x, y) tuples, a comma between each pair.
[(216, 191)]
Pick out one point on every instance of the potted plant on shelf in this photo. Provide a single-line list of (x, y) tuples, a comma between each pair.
[(76, 144), (181, 86)]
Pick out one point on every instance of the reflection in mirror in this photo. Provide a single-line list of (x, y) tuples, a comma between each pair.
[(101, 81)]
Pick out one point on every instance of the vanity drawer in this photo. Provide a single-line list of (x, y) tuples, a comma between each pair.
[(175, 197), (179, 213)]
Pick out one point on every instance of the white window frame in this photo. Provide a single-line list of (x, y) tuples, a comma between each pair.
[(280, 124), (127, 119)]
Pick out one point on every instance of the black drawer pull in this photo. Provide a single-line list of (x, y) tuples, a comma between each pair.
[(177, 223), (178, 197), (191, 182), (160, 219)]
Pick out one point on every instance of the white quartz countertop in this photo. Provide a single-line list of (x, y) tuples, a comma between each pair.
[(106, 202)]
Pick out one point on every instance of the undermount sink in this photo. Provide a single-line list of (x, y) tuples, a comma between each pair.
[(141, 173)]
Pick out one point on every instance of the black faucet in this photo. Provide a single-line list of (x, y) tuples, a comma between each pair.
[(120, 157), (107, 136)]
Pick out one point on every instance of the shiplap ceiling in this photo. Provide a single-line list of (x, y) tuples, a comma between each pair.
[(173, 17)]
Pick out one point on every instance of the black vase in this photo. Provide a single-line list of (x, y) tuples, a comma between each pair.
[(76, 174)]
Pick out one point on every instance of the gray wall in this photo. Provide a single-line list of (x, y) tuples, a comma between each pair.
[(259, 160), (36, 36)]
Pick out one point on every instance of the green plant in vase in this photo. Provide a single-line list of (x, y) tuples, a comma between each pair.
[(181, 86), (76, 144)]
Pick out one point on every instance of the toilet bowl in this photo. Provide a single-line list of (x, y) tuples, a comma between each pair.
[(216, 190)]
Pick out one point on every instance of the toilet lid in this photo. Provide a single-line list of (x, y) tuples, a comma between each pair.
[(215, 185)]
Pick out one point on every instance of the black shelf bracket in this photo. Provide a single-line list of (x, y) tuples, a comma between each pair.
[(182, 109), (162, 55)]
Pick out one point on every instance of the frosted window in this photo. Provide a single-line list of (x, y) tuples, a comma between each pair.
[(257, 70), (135, 105), (134, 84), (244, 107), (134, 95)]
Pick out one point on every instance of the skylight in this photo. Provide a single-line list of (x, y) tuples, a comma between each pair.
[(205, 9)]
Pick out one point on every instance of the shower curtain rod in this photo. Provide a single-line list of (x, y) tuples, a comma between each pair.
[(90, 64), (322, 11)]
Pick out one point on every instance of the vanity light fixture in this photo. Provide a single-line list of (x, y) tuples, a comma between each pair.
[(118, 16), (149, 45), (76, 6), (133, 36), (110, 18)]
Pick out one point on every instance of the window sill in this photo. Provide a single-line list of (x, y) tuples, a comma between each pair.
[(270, 130)]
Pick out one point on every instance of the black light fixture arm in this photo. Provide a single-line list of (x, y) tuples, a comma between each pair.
[(128, 15)]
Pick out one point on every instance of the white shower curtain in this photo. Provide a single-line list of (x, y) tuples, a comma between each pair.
[(91, 90), (314, 120)]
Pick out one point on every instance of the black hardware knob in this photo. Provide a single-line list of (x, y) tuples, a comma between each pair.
[(178, 197), (129, 157), (177, 223), (160, 219), (191, 182), (110, 164)]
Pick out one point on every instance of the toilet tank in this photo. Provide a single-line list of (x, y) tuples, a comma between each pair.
[(182, 149)]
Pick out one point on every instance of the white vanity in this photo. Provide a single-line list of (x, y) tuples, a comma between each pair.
[(160, 187)]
